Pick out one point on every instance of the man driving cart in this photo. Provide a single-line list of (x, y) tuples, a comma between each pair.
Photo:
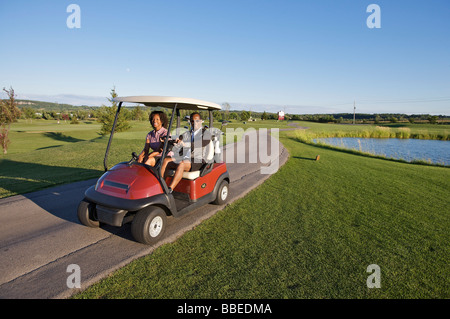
[(188, 152)]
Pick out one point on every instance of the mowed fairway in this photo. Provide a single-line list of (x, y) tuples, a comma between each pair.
[(310, 231), (43, 153)]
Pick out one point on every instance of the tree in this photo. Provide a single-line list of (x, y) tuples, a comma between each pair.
[(226, 107), (217, 115), (138, 114), (264, 116), (65, 117), (234, 116), (432, 119), (245, 115), (377, 119), (107, 115), (9, 112), (28, 113)]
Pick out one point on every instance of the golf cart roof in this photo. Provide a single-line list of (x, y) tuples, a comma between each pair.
[(169, 102)]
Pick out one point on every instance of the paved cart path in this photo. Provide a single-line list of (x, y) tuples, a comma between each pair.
[(40, 234)]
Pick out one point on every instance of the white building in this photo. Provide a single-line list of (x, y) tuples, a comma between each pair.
[(280, 115)]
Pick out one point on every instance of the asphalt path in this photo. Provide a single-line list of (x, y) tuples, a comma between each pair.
[(40, 235)]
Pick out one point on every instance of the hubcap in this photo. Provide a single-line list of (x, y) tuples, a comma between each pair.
[(156, 226), (224, 193)]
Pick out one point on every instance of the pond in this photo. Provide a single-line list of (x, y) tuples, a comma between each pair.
[(434, 151)]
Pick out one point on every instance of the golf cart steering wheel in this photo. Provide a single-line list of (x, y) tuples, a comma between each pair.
[(134, 158), (170, 143)]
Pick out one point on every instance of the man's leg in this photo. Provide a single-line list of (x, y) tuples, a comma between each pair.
[(184, 166)]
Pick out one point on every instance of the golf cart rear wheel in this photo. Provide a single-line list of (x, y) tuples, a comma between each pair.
[(149, 225), (86, 214), (222, 193)]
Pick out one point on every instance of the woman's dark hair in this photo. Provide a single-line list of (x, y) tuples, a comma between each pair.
[(162, 117)]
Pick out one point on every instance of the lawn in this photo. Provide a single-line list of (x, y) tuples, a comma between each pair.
[(44, 153), (397, 130), (309, 231)]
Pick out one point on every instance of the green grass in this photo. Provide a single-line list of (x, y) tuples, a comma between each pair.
[(309, 231), (44, 153), (419, 131)]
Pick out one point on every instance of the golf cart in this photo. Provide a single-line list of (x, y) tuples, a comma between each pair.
[(135, 192)]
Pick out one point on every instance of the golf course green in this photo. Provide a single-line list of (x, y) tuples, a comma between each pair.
[(309, 231)]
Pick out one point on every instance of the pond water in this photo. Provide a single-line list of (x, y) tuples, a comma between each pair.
[(434, 151)]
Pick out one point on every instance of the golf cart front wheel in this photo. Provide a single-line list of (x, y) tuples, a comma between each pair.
[(149, 225), (222, 193), (86, 214)]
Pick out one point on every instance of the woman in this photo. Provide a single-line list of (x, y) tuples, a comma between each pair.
[(158, 120)]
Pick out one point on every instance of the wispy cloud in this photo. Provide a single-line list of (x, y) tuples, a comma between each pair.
[(65, 98)]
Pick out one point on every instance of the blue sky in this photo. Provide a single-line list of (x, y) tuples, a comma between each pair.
[(300, 56)]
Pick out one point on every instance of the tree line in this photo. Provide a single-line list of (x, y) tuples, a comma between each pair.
[(12, 109), (371, 118)]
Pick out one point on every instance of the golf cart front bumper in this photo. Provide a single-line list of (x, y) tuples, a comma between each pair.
[(112, 210)]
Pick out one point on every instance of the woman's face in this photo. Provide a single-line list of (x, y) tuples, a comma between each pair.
[(156, 122)]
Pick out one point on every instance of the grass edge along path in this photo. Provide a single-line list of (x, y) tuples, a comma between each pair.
[(310, 231)]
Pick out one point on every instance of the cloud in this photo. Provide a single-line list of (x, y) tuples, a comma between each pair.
[(72, 99)]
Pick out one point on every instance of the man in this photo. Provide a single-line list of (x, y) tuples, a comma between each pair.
[(191, 144)]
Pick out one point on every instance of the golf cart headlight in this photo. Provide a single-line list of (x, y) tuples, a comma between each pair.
[(99, 183)]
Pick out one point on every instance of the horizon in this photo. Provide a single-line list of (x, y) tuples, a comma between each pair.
[(244, 109), (299, 57)]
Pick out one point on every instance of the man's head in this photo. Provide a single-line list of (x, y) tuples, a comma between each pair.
[(196, 121)]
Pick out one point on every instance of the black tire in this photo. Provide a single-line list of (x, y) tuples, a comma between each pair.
[(149, 225), (86, 214), (222, 193)]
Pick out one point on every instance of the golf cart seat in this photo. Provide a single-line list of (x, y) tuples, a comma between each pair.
[(206, 167)]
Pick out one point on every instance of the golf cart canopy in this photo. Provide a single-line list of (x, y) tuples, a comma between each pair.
[(170, 102)]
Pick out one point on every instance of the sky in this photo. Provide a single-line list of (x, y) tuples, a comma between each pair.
[(302, 57)]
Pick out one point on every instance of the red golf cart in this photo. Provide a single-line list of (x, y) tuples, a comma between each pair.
[(137, 193)]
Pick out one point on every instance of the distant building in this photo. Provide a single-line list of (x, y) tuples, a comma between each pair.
[(280, 115)]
